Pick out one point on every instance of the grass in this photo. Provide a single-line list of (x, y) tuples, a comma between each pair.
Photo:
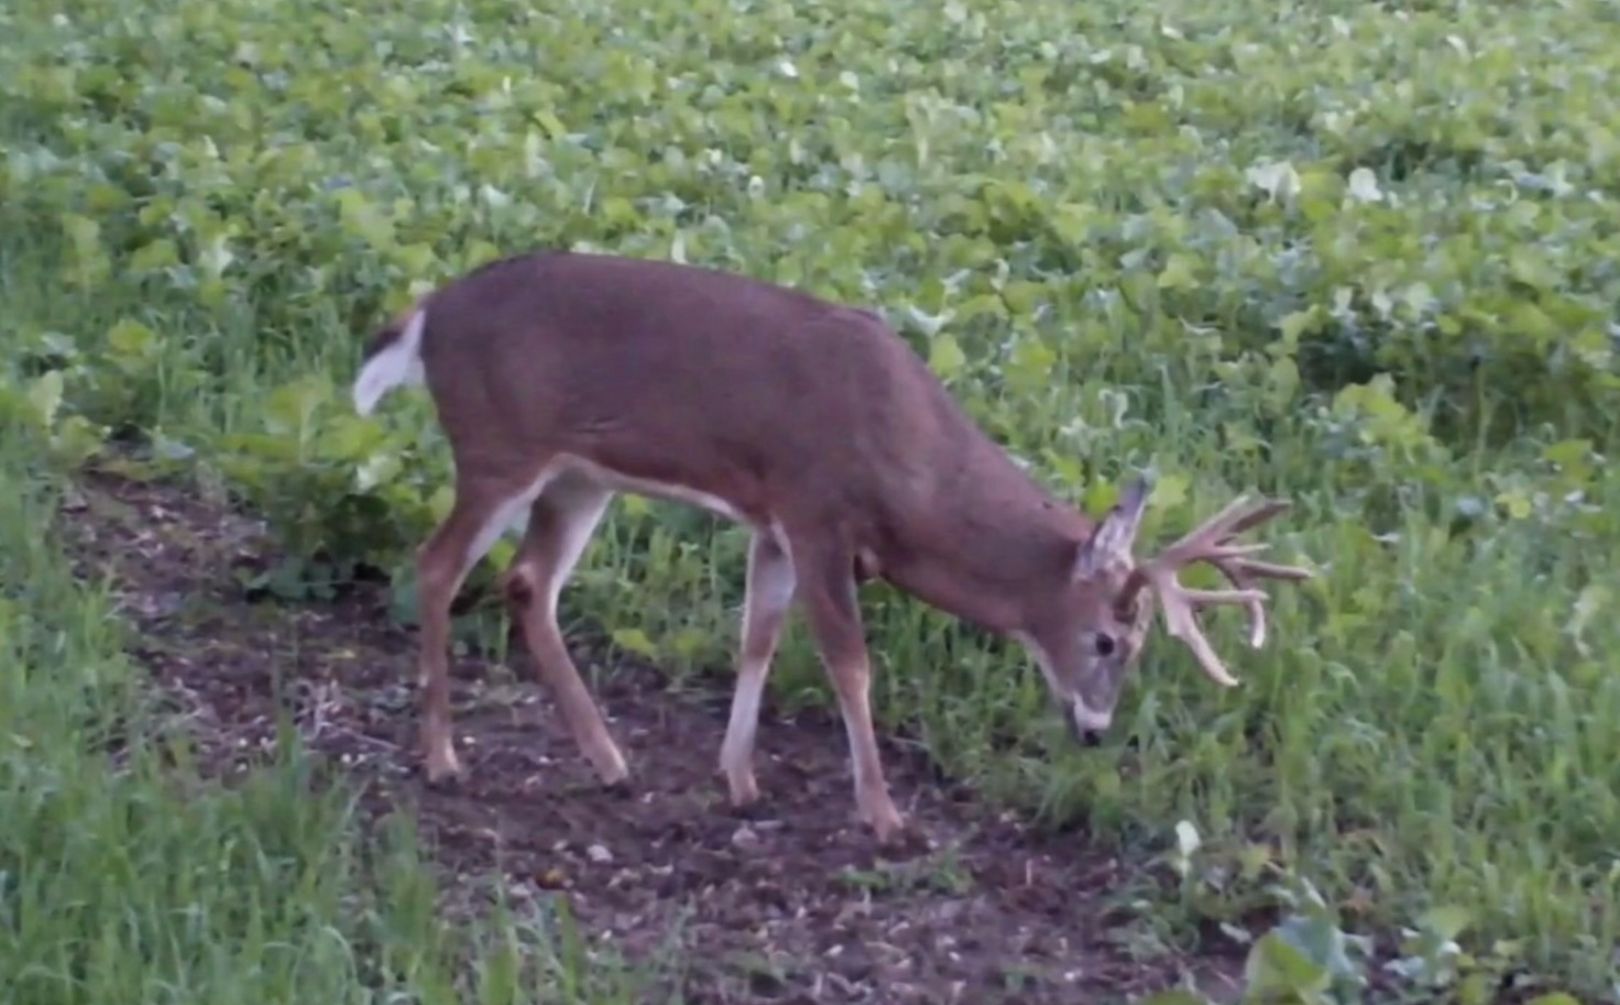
[(128, 874), (1125, 236)]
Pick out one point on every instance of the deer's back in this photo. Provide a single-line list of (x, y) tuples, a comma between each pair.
[(688, 376)]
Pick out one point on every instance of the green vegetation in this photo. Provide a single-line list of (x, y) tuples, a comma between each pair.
[(125, 876), (1364, 258)]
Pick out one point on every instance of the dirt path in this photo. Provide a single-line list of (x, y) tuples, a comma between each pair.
[(788, 902)]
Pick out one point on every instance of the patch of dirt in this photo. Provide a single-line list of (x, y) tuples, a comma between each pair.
[(789, 901)]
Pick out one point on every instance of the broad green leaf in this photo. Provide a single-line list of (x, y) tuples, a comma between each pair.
[(1446, 922), (1282, 379), (501, 552), (159, 254), (350, 437), (1180, 273), (636, 641), (1476, 989), (84, 234), (45, 394), (1031, 364), (1298, 323), (364, 219), (1072, 221), (131, 340), (1530, 267), (1518, 505), (76, 439), (945, 356), (415, 259), (689, 643), (549, 121), (290, 407), (1528, 319), (90, 263), (983, 305), (1169, 492), (1572, 453), (441, 502), (376, 470), (1100, 496), (1022, 297), (1274, 966)]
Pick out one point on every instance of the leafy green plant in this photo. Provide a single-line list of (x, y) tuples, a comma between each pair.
[(1307, 958)]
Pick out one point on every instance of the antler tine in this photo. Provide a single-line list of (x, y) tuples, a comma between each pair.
[(1182, 624), (1205, 529), (1237, 575), (1178, 606), (1241, 573), (1265, 510), (1231, 521), (1271, 570), (1211, 541)]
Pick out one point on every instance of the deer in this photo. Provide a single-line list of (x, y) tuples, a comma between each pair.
[(563, 378)]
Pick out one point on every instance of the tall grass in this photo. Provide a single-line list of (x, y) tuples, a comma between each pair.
[(126, 875)]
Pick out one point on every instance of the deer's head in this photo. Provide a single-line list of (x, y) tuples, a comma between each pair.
[(1088, 641)]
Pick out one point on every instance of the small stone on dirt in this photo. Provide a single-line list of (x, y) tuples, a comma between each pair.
[(599, 854), (551, 879)]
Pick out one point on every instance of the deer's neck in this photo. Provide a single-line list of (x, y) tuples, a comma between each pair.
[(993, 545)]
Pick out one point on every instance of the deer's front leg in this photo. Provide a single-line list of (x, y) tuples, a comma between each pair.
[(828, 592), (458, 543), (561, 522), (769, 594)]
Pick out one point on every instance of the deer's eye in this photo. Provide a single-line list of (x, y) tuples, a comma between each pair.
[(1104, 644)]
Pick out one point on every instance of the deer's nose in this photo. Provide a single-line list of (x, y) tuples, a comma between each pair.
[(1088, 725)]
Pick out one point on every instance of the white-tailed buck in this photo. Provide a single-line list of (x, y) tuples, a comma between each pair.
[(561, 379)]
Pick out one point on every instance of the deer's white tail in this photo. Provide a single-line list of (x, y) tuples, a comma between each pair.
[(391, 363)]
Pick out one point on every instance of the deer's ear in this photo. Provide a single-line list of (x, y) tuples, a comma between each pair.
[(1111, 542)]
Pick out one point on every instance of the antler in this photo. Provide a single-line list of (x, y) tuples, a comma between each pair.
[(1212, 542)]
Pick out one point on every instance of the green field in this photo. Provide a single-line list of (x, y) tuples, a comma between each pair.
[(1365, 257)]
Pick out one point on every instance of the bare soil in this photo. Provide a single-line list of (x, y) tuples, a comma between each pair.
[(789, 901)]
